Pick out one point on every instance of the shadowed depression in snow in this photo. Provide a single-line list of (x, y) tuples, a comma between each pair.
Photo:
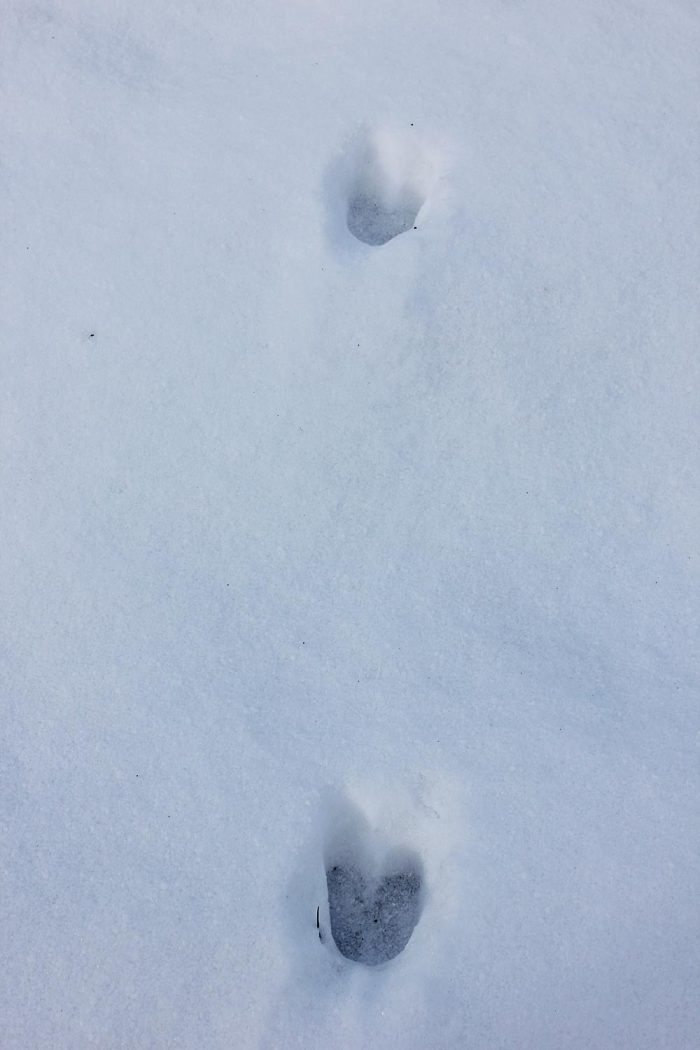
[(375, 890), (387, 192), (372, 918), (375, 220)]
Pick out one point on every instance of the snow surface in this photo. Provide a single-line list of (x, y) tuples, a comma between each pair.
[(295, 527)]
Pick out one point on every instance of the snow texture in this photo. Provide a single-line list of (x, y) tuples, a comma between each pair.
[(328, 541)]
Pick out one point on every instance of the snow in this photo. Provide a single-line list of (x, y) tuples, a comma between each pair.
[(311, 545)]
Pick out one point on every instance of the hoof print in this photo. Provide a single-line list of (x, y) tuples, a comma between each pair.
[(374, 913), (374, 220), (387, 192)]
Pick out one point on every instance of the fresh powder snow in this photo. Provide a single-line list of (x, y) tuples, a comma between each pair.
[(349, 525)]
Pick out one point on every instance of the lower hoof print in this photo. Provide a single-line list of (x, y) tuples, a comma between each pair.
[(375, 221), (388, 187), (373, 915)]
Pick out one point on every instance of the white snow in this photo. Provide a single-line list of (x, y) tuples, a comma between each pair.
[(293, 526)]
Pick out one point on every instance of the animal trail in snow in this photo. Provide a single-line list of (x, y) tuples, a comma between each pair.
[(389, 188)]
